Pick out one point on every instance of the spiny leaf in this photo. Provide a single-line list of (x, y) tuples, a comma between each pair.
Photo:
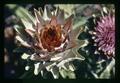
[(106, 73), (63, 73)]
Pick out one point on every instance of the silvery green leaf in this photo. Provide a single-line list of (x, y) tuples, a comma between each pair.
[(101, 61), (71, 67), (25, 56), (21, 31), (82, 43), (67, 73), (49, 66), (23, 42), (60, 56), (94, 74), (23, 37), (45, 14), (68, 8), (80, 7), (79, 22), (39, 17), (63, 72), (21, 12), (75, 32), (55, 72), (36, 70), (49, 14), (68, 66), (28, 25), (70, 56), (18, 29), (41, 67), (71, 75), (106, 73), (55, 58), (42, 73)]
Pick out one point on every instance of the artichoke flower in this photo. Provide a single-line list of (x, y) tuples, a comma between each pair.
[(104, 32), (52, 41)]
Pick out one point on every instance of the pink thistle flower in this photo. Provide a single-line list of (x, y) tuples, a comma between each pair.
[(104, 35)]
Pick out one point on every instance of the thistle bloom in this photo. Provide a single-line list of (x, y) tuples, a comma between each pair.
[(53, 41), (104, 34)]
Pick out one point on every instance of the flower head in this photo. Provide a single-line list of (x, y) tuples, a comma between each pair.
[(104, 34), (53, 41)]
